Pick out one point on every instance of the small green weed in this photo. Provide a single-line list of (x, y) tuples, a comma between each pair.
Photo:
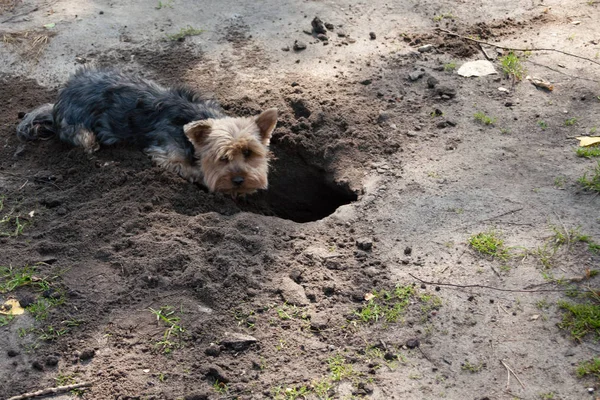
[(581, 319), (588, 152), (287, 312), (512, 66), (166, 315), (490, 244), (560, 182), (12, 278), (542, 124), (591, 183), (41, 308), (450, 66), (184, 32), (50, 333), (547, 396), (442, 16), (5, 319), (290, 393), (386, 305), (591, 367), (168, 4), (570, 121), (220, 387), (484, 119), (339, 368), (472, 368)]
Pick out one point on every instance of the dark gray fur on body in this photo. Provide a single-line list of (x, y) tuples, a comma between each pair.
[(117, 107)]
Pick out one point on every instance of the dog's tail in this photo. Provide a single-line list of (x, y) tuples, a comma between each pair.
[(37, 124)]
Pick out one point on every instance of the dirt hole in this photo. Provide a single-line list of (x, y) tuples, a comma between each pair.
[(299, 191)]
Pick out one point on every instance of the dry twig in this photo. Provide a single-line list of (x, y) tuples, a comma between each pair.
[(511, 372), (514, 48), (54, 390)]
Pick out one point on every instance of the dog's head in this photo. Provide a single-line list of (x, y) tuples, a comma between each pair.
[(234, 152)]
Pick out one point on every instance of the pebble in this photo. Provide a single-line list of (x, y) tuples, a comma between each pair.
[(87, 354), (238, 341), (292, 293), (341, 33), (213, 350), (216, 373), (426, 48), (299, 45), (286, 48), (329, 26), (365, 244), (416, 75), (322, 37), (52, 361), (12, 353), (372, 35), (446, 91), (412, 343), (432, 82), (318, 26)]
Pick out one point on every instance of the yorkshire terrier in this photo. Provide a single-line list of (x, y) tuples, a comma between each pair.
[(178, 129)]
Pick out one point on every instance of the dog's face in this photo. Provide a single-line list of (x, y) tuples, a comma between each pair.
[(234, 152)]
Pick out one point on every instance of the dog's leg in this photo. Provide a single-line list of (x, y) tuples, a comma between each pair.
[(80, 137), (171, 158)]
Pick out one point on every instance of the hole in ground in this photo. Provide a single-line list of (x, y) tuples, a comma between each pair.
[(298, 190)]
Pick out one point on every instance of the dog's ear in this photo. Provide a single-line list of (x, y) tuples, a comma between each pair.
[(197, 131), (266, 122)]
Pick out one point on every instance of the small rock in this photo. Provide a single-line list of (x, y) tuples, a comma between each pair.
[(296, 275), (292, 293), (351, 40), (416, 75), (591, 390), (365, 244), (407, 251), (21, 114), (426, 48), (411, 134), (432, 82), (341, 33), (389, 356), (101, 12), (441, 124), (80, 60), (299, 45), (329, 26), (446, 91), (319, 321), (37, 365), (12, 353), (213, 350), (318, 26), (87, 354), (366, 82), (366, 387), (570, 352), (322, 37), (412, 343), (238, 341), (216, 373), (52, 361), (383, 117), (508, 104), (286, 48), (372, 35)]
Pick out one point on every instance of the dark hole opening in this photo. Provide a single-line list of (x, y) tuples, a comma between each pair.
[(298, 190)]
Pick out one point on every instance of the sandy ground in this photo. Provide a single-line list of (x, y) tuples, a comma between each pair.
[(379, 183)]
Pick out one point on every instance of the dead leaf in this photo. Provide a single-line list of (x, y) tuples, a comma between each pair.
[(11, 307), (540, 83), (587, 141), (369, 296)]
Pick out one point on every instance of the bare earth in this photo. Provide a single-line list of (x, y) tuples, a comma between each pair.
[(379, 182)]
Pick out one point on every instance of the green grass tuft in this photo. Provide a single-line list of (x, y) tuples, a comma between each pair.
[(184, 32), (490, 244), (484, 119), (591, 182), (591, 367), (588, 152), (581, 319)]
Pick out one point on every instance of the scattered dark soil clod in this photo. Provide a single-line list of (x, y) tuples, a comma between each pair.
[(318, 26)]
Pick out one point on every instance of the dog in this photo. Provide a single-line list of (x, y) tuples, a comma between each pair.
[(178, 129)]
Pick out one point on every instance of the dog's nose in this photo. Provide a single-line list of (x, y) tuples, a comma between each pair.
[(237, 180)]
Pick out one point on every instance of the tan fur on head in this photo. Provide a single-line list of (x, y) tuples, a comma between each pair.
[(234, 149)]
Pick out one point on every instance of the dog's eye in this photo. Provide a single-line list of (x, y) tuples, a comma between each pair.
[(247, 153), (224, 159)]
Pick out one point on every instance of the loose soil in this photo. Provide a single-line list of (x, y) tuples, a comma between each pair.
[(377, 182)]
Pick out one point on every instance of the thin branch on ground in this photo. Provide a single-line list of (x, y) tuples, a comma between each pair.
[(494, 288), (515, 48), (54, 390), (513, 373)]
